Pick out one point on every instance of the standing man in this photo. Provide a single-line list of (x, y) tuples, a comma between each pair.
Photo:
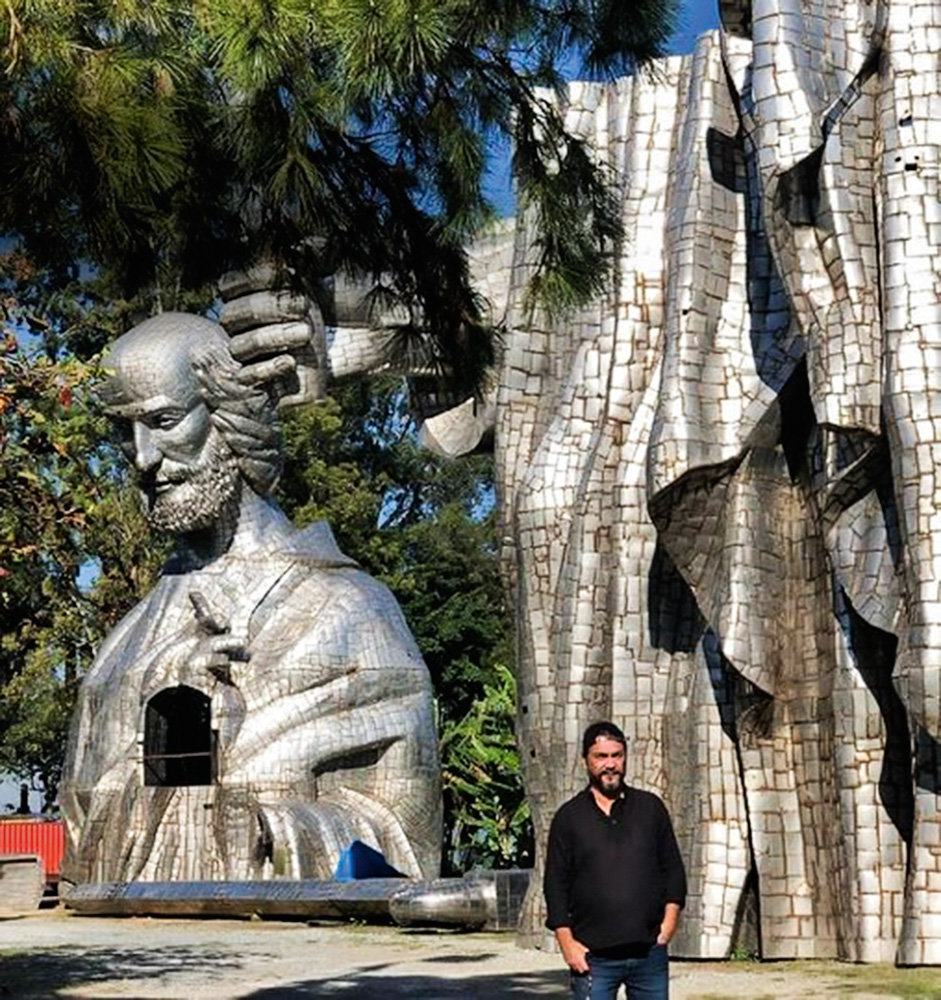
[(614, 880)]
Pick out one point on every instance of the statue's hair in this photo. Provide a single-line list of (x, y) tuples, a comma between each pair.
[(245, 415)]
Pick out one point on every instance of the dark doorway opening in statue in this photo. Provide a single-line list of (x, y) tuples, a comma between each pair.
[(179, 743)]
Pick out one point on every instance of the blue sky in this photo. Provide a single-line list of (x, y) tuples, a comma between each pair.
[(697, 16)]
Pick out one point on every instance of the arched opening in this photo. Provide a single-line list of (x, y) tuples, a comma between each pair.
[(179, 744)]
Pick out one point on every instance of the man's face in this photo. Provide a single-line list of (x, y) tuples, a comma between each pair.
[(605, 763), (186, 472)]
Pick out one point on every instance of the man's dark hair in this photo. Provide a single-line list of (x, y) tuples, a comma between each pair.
[(601, 730)]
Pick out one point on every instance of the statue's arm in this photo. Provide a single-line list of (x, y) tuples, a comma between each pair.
[(346, 748)]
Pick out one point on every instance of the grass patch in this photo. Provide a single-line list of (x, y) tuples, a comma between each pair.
[(902, 984), (825, 980)]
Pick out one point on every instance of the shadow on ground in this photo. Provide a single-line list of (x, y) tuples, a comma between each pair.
[(365, 984), (44, 973)]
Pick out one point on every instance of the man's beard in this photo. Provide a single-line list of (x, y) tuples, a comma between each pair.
[(608, 783), (199, 501)]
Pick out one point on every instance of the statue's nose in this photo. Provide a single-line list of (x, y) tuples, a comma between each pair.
[(146, 452)]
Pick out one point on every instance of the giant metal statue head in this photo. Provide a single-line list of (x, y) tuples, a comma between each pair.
[(197, 423)]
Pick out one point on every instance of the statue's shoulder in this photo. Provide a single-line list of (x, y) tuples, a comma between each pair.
[(354, 594), (314, 550), (315, 545)]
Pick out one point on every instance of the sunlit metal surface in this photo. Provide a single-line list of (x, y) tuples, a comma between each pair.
[(307, 899), (720, 499), (486, 900)]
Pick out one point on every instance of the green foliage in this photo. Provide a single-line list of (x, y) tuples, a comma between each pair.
[(422, 525), (487, 816), (36, 706), (575, 214), (106, 138)]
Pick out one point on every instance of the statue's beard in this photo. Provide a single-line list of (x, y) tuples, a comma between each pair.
[(204, 499)]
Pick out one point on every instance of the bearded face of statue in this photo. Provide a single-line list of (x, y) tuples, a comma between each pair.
[(181, 497), (187, 474)]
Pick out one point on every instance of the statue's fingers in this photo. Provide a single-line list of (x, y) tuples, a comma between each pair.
[(276, 338), (230, 647), (213, 662), (268, 371), (235, 284), (261, 308)]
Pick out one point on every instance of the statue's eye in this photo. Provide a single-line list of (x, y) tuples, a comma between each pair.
[(165, 419)]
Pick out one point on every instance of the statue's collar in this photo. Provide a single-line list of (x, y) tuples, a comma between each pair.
[(316, 544)]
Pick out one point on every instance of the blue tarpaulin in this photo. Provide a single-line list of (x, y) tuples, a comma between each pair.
[(360, 860)]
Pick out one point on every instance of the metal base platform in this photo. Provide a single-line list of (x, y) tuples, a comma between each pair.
[(483, 899)]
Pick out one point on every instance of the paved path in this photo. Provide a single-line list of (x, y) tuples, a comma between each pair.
[(55, 954)]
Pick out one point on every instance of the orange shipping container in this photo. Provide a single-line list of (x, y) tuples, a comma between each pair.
[(42, 837)]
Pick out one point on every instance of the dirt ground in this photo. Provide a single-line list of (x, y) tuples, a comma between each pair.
[(57, 954)]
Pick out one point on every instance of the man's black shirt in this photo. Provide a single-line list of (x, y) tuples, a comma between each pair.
[(609, 878)]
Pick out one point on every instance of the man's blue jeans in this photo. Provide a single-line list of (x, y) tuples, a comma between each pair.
[(645, 978)]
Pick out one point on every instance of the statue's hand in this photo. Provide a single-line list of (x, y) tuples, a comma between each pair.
[(269, 325), (217, 649), (217, 653), (274, 338)]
